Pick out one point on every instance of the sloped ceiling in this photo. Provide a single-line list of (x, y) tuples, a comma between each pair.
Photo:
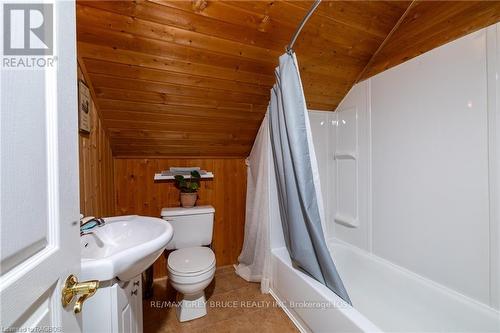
[(192, 78)]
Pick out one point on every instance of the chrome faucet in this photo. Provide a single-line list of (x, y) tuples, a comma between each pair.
[(87, 224)]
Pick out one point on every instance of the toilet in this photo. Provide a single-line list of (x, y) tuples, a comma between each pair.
[(191, 267)]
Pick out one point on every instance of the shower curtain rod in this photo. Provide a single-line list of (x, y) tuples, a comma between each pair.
[(289, 48)]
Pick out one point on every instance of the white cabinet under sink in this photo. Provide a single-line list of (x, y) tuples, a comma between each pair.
[(115, 308), (118, 250)]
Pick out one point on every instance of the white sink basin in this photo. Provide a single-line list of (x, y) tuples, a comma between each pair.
[(124, 247)]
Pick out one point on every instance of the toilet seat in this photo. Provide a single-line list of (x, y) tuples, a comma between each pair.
[(191, 262), (190, 271)]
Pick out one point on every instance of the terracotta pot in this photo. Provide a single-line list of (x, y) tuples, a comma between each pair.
[(188, 199)]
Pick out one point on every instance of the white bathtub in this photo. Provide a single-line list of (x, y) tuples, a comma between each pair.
[(386, 298)]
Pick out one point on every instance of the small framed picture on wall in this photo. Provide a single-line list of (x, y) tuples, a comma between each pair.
[(84, 105)]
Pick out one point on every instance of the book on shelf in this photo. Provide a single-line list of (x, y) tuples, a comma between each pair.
[(185, 172)]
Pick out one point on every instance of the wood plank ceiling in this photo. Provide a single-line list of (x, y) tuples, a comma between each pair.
[(192, 78)]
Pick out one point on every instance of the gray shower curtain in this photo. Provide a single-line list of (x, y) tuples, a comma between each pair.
[(298, 194)]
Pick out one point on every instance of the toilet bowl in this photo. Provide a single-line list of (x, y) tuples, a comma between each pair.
[(191, 267), (190, 271)]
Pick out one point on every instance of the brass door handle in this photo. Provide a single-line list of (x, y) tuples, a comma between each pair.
[(72, 288)]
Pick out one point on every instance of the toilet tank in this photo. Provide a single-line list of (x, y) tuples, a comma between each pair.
[(192, 226)]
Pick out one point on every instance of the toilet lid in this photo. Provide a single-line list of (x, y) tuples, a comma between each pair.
[(191, 259)]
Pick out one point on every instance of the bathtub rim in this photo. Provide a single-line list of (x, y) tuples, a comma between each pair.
[(413, 275), (362, 323), (360, 320)]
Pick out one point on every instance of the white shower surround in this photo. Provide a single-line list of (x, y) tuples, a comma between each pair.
[(398, 290)]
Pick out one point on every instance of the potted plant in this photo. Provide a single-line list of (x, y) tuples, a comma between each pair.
[(189, 188)]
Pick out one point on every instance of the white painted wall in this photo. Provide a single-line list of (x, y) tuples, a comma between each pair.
[(422, 188)]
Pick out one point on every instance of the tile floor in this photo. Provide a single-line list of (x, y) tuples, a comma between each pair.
[(233, 305)]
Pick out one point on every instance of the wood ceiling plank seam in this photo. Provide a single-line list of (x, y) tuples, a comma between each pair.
[(153, 145), (164, 150), (183, 149), (136, 134), (99, 52), (107, 81), (342, 42), (244, 127), (187, 157), (198, 151), (336, 90), (393, 30), (103, 80), (135, 125), (180, 53), (114, 114), (263, 26), (180, 122), (256, 111), (318, 76), (324, 28), (472, 23), (188, 111), (152, 155), (207, 154), (440, 11), (269, 8), (237, 116), (213, 145), (401, 4), (321, 12), (289, 27), (439, 30), (157, 107), (214, 142), (128, 147), (175, 135), (203, 116), (203, 125), (328, 62), (205, 25), (213, 99), (128, 41), (383, 20), (161, 98), (260, 54), (138, 72), (165, 33), (467, 25)]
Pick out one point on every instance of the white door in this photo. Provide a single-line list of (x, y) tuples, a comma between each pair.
[(39, 203)]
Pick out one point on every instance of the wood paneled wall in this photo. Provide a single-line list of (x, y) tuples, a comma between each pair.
[(96, 168), (138, 193)]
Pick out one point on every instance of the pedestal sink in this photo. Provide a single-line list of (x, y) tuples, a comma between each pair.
[(123, 247)]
